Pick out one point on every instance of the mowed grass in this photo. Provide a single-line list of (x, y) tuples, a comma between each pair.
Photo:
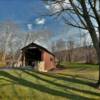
[(76, 82)]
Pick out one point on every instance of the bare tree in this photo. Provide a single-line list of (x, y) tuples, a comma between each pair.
[(8, 31), (53, 46), (60, 44), (70, 47), (84, 14)]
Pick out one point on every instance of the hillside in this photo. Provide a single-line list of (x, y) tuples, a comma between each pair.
[(82, 55)]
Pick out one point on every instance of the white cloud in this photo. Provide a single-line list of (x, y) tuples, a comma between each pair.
[(40, 21), (56, 7), (66, 4), (89, 38), (97, 34), (47, 6), (29, 26)]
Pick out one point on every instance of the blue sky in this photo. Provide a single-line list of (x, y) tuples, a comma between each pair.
[(24, 12), (18, 10)]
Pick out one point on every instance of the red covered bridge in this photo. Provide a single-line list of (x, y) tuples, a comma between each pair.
[(38, 57)]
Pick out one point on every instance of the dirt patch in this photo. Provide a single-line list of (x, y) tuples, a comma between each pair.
[(57, 69)]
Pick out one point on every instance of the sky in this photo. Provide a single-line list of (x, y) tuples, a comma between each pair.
[(31, 15), (25, 12)]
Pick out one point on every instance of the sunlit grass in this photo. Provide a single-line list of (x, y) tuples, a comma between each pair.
[(76, 65), (73, 83), (2, 64)]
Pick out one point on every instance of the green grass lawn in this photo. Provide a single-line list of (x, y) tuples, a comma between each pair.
[(74, 83)]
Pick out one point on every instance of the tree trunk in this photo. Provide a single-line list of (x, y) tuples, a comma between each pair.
[(98, 55), (4, 57)]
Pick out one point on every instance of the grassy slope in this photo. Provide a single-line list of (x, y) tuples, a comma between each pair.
[(73, 83)]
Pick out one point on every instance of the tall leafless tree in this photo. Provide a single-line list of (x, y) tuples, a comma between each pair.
[(70, 47), (84, 14), (60, 44), (8, 31)]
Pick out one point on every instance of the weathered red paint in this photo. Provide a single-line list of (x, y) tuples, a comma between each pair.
[(49, 61)]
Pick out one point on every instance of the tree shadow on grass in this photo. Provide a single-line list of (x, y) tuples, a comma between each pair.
[(11, 83), (79, 76), (69, 78), (34, 74), (41, 88)]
